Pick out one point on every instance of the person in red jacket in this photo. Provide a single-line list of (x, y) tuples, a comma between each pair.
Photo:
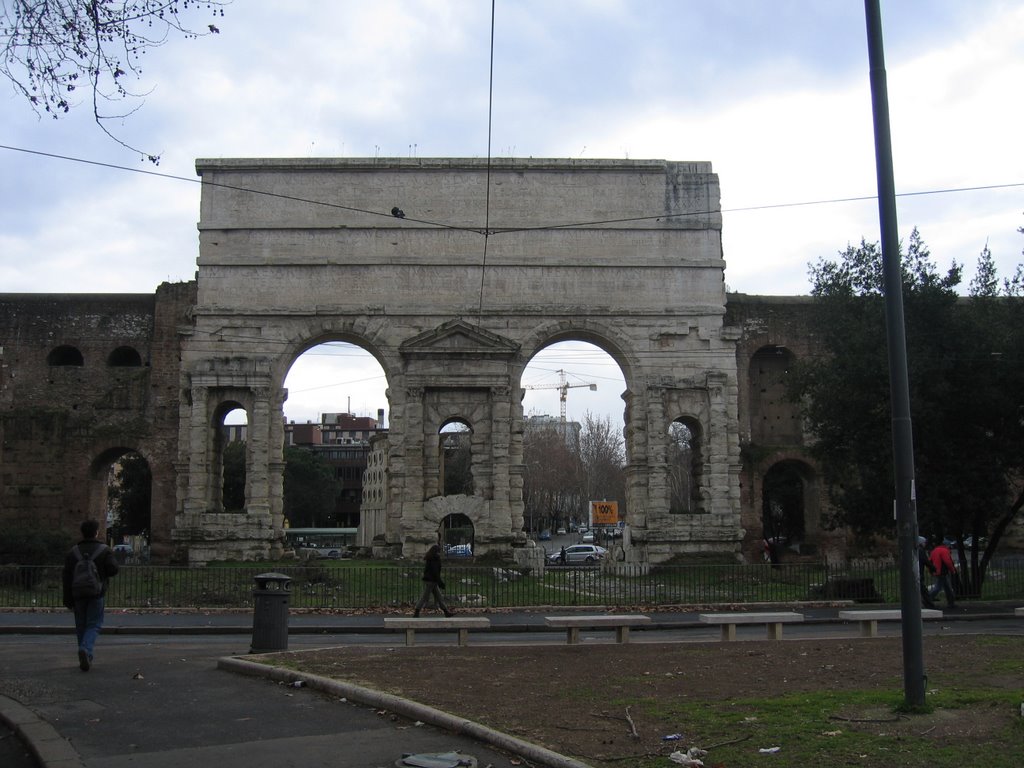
[(924, 563), (942, 562)]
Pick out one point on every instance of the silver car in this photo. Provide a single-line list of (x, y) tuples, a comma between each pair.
[(578, 553)]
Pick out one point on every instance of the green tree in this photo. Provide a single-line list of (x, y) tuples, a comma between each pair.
[(25, 544), (456, 446), (993, 447), (965, 379), (233, 499), (49, 51), (130, 497), (310, 488)]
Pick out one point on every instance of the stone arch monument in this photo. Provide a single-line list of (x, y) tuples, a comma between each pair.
[(453, 274)]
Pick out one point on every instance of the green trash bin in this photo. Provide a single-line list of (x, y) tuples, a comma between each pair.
[(271, 598)]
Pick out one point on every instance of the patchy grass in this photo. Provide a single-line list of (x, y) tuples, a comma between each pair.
[(861, 728), (822, 703)]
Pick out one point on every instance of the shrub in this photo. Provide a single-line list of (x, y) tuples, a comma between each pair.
[(22, 545)]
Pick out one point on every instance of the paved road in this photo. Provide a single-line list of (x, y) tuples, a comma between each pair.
[(161, 702), (155, 697)]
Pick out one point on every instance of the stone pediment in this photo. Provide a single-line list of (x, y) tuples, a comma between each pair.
[(458, 338)]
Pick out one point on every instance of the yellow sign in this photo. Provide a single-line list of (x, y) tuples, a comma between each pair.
[(604, 513)]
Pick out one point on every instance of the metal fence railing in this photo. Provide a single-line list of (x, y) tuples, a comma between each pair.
[(357, 584)]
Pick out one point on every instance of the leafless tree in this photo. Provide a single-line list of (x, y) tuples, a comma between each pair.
[(681, 458), (52, 49), (603, 456), (552, 486)]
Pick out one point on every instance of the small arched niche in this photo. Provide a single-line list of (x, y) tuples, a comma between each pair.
[(685, 464), (455, 453), (229, 460), (65, 355), (124, 357)]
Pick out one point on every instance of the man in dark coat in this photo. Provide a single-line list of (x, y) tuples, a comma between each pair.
[(432, 581), (88, 610)]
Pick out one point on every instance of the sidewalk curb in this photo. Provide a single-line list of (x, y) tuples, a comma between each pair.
[(404, 707), (368, 629), (49, 748)]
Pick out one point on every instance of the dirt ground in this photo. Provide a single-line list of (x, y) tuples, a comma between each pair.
[(586, 701)]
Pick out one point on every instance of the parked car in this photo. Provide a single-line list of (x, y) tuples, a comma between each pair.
[(588, 537), (544, 536), (578, 553), (560, 531)]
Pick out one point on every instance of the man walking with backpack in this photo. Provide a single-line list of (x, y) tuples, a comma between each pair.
[(86, 569)]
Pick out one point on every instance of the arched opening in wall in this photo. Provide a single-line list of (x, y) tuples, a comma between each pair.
[(455, 453), (128, 486), (65, 355), (337, 402), (685, 466), (457, 536), (573, 446), (775, 418), (124, 357), (229, 456), (784, 507)]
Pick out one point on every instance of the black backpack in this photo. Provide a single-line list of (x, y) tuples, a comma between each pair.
[(85, 579)]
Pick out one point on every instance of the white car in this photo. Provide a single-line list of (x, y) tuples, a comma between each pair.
[(578, 553)]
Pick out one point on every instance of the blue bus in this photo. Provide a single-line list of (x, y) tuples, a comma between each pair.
[(319, 538)]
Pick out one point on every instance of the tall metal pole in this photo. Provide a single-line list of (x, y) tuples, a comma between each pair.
[(899, 384)]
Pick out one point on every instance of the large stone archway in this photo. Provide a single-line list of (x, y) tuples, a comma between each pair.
[(393, 255)]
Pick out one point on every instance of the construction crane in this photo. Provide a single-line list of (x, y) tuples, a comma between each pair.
[(563, 388)]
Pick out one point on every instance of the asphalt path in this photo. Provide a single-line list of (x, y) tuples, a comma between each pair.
[(156, 697), (161, 702)]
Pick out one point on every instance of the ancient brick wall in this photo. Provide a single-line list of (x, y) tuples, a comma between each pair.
[(85, 379), (773, 333), (61, 425)]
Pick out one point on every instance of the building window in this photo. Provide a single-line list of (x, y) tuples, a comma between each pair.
[(124, 357), (65, 355)]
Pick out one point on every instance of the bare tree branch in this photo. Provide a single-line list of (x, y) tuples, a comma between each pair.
[(51, 48)]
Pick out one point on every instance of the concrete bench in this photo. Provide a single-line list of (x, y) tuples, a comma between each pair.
[(461, 623), (573, 625), (773, 622), (869, 619)]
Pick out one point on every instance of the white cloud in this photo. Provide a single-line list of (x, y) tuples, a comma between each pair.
[(774, 95)]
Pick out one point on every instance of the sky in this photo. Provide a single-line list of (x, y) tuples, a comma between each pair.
[(776, 95)]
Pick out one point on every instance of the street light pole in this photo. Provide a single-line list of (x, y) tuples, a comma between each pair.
[(899, 384)]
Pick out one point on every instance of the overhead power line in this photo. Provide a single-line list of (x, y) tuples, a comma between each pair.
[(543, 227)]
